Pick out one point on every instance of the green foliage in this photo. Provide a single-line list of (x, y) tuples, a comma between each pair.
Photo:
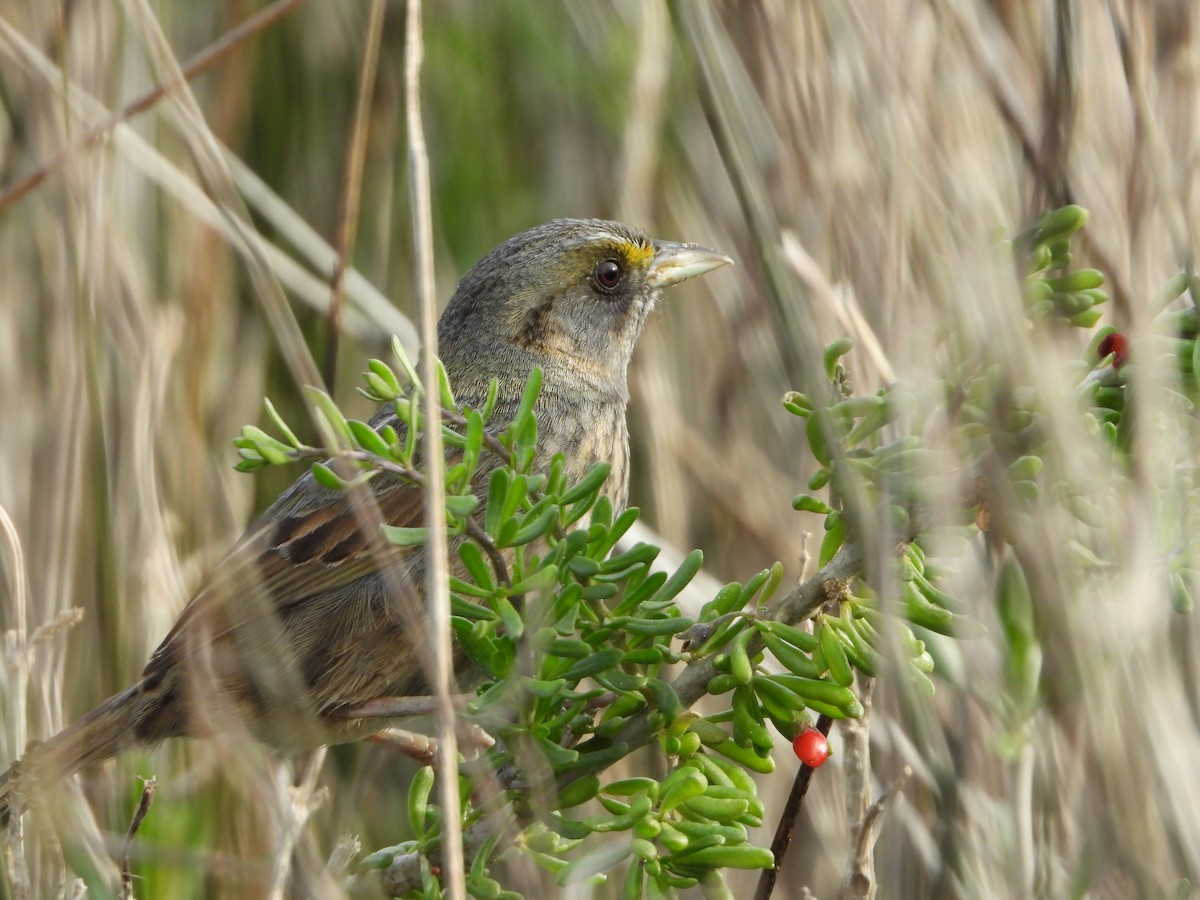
[(996, 476), (1051, 290), (571, 640), (863, 472)]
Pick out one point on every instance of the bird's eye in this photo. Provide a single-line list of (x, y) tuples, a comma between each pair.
[(608, 273)]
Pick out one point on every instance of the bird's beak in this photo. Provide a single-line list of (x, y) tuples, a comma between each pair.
[(674, 263)]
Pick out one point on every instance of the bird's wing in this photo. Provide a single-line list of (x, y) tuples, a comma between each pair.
[(311, 542)]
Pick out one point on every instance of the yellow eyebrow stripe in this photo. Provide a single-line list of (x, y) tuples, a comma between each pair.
[(636, 254)]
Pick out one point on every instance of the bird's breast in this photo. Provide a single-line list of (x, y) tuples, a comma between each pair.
[(585, 434)]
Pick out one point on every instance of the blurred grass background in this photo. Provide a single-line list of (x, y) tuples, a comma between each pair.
[(858, 155)]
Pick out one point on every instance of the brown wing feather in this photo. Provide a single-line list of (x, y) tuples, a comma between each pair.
[(285, 560)]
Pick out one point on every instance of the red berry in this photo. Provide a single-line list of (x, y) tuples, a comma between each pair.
[(811, 747), (1118, 345)]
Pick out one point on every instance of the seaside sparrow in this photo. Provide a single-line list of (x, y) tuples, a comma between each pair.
[(312, 617)]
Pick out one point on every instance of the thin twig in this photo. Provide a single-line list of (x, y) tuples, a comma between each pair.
[(342, 857), (197, 65), (641, 138), (419, 747), (143, 807), (1033, 151), (737, 138), (484, 540), (860, 879), (1148, 132), (18, 649), (424, 749), (395, 707), (437, 561), (374, 313), (787, 821), (299, 803), (60, 621), (352, 183), (217, 179), (490, 440), (18, 646)]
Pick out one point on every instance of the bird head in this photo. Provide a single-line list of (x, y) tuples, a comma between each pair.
[(570, 295)]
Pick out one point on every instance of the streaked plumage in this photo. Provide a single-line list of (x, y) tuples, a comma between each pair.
[(311, 613)]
